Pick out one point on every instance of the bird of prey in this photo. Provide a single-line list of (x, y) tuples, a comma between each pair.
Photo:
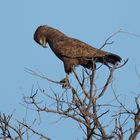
[(72, 52)]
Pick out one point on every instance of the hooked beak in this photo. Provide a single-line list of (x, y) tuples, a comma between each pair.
[(44, 46)]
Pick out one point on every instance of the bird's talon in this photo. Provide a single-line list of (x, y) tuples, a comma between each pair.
[(65, 83)]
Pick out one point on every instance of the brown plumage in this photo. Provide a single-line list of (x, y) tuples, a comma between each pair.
[(72, 52)]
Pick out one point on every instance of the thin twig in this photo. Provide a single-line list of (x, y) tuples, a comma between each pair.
[(41, 75)]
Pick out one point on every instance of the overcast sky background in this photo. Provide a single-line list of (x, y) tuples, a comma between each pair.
[(89, 20)]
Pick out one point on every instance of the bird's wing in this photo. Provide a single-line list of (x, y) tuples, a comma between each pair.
[(74, 48)]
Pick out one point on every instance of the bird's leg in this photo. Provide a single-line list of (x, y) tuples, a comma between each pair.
[(65, 82), (93, 68)]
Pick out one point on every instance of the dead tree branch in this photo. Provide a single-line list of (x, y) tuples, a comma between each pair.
[(20, 131)]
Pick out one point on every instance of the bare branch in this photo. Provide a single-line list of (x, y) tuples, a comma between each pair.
[(35, 132), (106, 84), (40, 74), (111, 36)]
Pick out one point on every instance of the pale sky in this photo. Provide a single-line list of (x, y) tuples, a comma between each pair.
[(91, 21)]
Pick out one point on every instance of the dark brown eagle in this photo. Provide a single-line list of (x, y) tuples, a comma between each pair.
[(72, 52)]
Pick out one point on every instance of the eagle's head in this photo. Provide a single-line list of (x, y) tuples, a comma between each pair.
[(40, 36)]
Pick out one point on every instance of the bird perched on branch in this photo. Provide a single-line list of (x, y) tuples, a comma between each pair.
[(73, 52)]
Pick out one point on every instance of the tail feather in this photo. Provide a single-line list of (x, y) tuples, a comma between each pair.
[(112, 58)]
